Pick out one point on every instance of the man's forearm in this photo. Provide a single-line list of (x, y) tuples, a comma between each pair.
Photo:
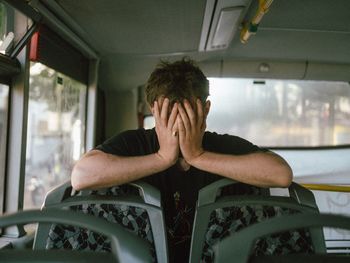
[(260, 169), (98, 169)]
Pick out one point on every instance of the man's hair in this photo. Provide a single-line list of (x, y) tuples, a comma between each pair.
[(177, 81)]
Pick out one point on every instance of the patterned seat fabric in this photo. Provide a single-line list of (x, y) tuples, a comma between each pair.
[(122, 190), (134, 219), (226, 221), (242, 189)]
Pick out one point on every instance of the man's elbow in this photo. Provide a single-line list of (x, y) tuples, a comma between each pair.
[(77, 179), (285, 177), (82, 171)]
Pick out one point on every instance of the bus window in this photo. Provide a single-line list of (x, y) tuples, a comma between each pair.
[(4, 95), (148, 122), (279, 113), (56, 131), (9, 37)]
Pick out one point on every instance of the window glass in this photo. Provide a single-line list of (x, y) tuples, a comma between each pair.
[(4, 96), (56, 131), (148, 122), (2, 21), (6, 36), (9, 36), (281, 112)]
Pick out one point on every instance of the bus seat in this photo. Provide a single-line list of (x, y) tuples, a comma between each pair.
[(134, 206), (239, 246), (219, 215), (125, 247)]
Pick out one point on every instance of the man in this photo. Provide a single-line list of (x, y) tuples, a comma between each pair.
[(178, 157)]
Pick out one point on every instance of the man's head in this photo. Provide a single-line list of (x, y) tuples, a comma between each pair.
[(177, 81)]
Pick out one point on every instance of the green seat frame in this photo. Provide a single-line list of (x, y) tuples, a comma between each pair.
[(239, 246), (63, 197), (125, 246), (300, 199)]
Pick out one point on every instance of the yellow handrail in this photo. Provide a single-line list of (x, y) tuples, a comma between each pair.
[(251, 27), (327, 187)]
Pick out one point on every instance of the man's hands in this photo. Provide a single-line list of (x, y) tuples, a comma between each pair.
[(166, 129), (191, 125), (182, 130)]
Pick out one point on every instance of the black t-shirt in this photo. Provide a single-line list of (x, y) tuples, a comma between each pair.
[(179, 189)]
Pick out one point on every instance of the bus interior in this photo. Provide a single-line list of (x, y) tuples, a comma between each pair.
[(73, 73)]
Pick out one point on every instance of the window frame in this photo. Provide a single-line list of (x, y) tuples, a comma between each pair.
[(3, 159), (14, 71), (16, 130)]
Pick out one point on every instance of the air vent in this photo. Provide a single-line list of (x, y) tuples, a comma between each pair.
[(221, 22)]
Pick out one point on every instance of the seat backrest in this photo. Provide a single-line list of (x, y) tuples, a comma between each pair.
[(210, 193), (219, 216), (136, 207), (125, 247), (239, 246)]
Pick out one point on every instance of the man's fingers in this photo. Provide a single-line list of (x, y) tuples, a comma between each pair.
[(200, 113), (190, 113), (184, 118), (172, 117), (156, 112), (164, 111), (181, 128)]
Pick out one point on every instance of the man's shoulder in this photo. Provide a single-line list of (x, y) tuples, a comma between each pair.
[(129, 142), (136, 132), (226, 143), (215, 135)]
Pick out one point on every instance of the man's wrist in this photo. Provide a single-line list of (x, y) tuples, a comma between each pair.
[(164, 162), (195, 161)]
